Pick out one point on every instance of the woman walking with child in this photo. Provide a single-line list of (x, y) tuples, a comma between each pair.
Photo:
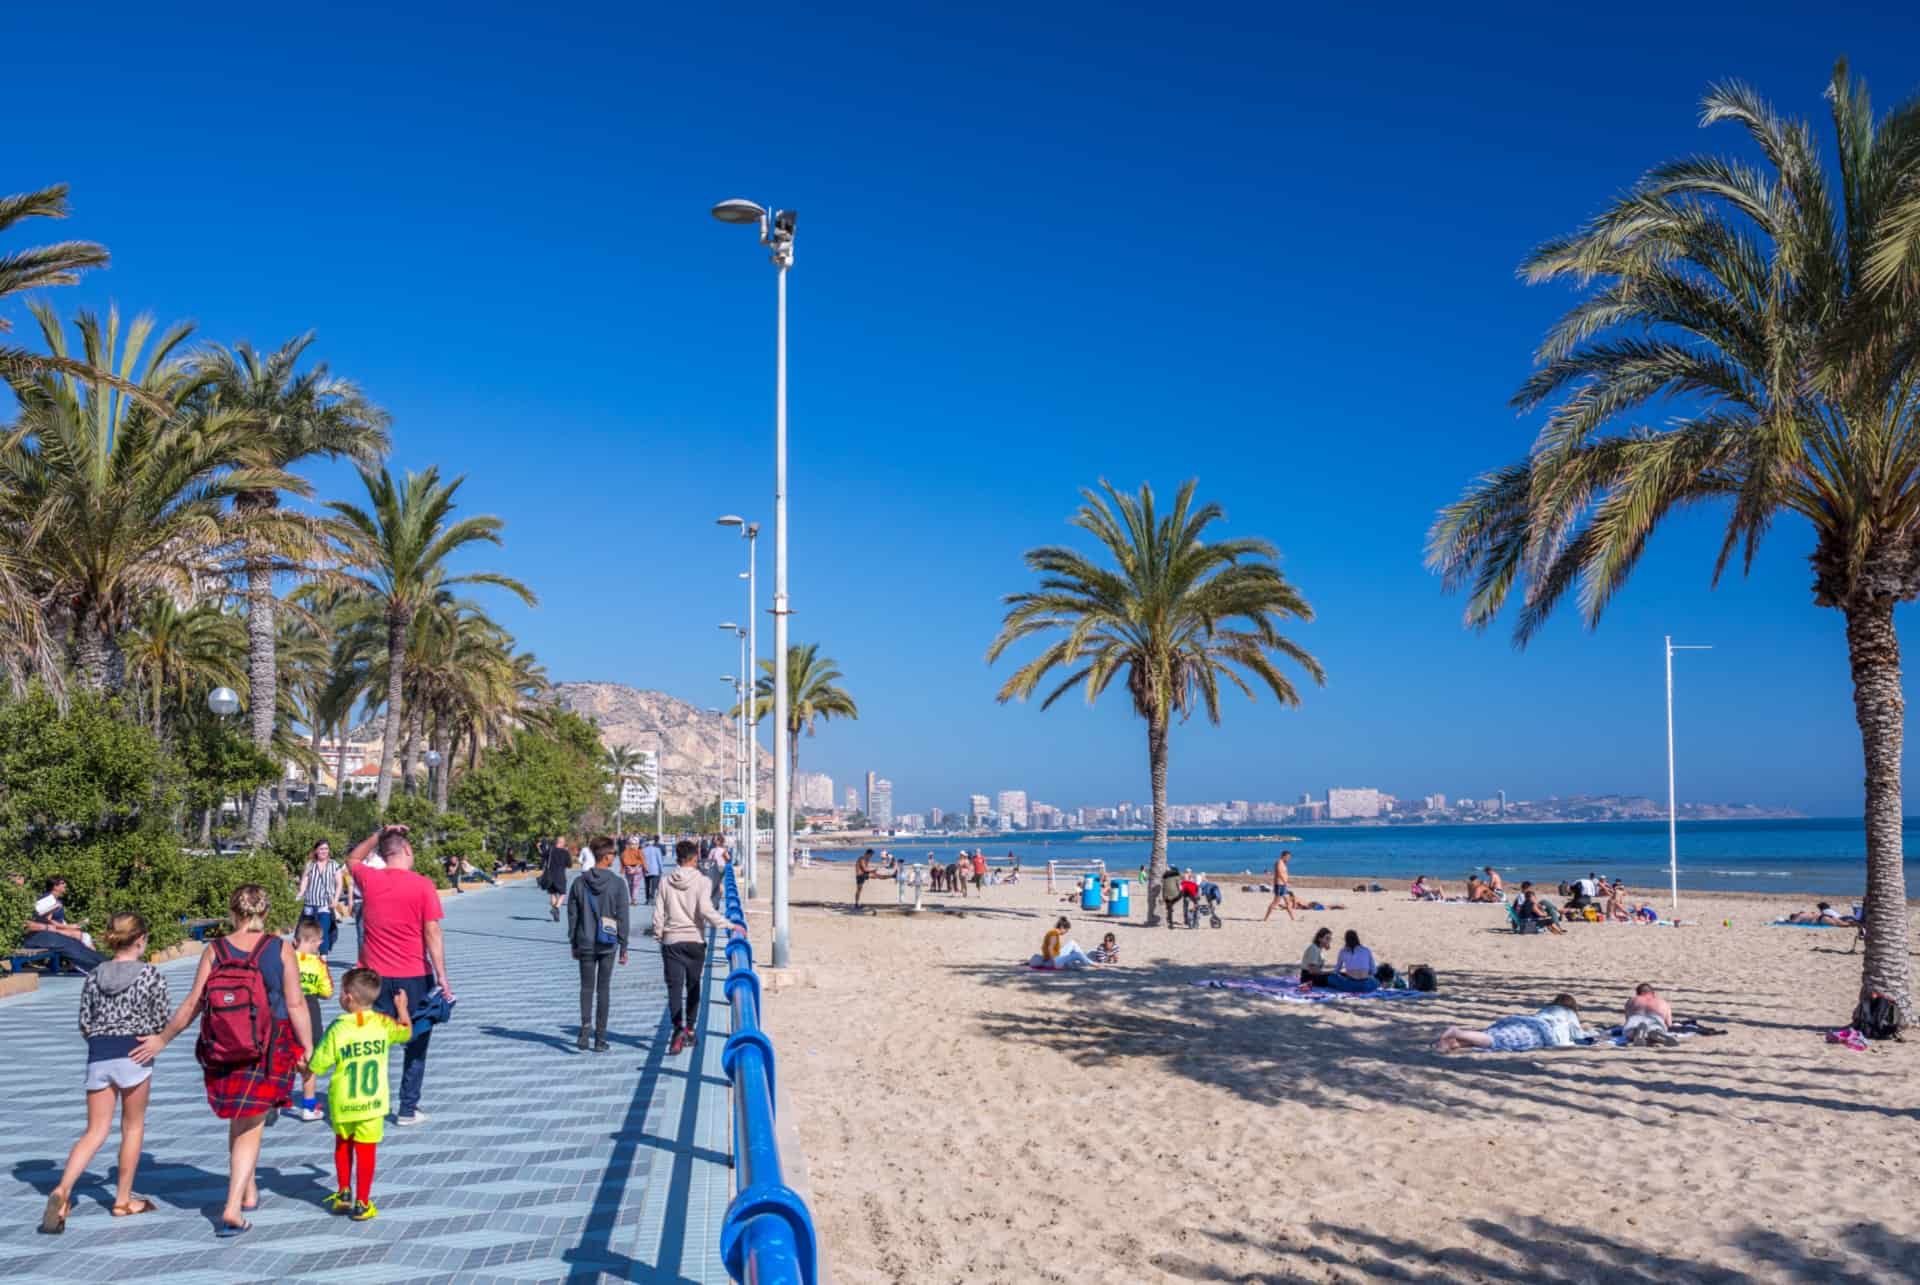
[(121, 1001), (253, 1033)]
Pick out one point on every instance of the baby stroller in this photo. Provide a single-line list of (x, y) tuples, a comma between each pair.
[(1206, 902)]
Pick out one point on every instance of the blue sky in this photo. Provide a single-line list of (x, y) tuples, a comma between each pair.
[(1038, 246)]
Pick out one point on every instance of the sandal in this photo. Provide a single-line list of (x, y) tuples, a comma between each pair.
[(227, 1231), (138, 1205), (54, 1220)]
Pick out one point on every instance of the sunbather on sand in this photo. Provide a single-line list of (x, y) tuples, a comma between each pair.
[(1649, 1018), (1555, 1026), (1821, 914)]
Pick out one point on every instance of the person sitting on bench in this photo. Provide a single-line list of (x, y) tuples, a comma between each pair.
[(49, 930)]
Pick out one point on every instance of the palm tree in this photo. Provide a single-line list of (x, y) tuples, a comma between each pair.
[(1161, 616), (59, 264), (622, 763), (107, 498), (400, 549), (811, 697), (174, 654), (288, 416), (1730, 348)]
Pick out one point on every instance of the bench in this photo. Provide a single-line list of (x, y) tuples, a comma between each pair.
[(198, 928), (20, 960)]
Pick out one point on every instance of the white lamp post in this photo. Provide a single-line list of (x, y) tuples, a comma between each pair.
[(432, 760), (750, 669), (1673, 823), (776, 233), (224, 701)]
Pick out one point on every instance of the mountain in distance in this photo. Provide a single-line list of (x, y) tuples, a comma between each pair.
[(696, 747)]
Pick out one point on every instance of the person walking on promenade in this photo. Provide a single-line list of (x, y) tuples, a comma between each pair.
[(681, 914), (246, 1053), (121, 1001), (553, 875), (403, 944), (597, 907), (1282, 892), (652, 857), (322, 885)]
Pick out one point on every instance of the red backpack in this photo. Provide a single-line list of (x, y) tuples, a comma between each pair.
[(236, 1018)]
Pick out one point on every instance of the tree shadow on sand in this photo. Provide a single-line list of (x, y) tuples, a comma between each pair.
[(1271, 1053), (1536, 1251)]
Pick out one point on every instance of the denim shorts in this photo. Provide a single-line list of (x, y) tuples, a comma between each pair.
[(121, 1073)]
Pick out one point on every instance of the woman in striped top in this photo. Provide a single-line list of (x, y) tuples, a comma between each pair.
[(322, 886)]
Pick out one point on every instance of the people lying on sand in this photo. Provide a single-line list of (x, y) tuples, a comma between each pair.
[(1533, 910), (1649, 1018), (1108, 951), (1425, 889), (1059, 951), (1314, 967), (1555, 1026), (1823, 913), (1282, 893)]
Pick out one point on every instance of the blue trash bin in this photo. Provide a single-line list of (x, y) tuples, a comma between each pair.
[(1118, 906), (1089, 893)]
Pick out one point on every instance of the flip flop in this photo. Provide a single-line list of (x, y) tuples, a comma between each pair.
[(227, 1231), (54, 1220), (134, 1208)]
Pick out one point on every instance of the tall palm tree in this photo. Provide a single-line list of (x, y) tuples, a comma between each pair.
[(59, 264), (107, 498), (1730, 348), (174, 654), (1163, 615), (287, 416), (623, 763), (812, 697), (400, 548)]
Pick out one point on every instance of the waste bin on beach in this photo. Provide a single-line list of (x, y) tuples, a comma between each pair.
[(1118, 906), (1089, 892)]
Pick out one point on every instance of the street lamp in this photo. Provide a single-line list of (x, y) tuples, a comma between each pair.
[(750, 532), (432, 759), (224, 701), (776, 233)]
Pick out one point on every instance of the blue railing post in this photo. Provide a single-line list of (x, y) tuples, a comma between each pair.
[(767, 1236)]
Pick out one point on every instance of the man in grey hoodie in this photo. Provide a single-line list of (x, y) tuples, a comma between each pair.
[(597, 906), (681, 915)]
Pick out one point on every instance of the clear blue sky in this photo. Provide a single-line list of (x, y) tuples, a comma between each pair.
[(1038, 246)]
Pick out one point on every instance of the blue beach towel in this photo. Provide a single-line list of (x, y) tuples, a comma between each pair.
[(1289, 990)]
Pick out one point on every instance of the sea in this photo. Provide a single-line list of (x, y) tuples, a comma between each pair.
[(1821, 856)]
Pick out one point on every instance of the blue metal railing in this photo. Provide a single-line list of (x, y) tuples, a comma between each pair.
[(767, 1236)]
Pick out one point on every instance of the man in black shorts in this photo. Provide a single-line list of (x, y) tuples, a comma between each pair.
[(862, 871)]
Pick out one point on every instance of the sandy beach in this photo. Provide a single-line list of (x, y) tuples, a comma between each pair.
[(965, 1118)]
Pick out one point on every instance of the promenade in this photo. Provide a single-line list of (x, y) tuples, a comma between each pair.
[(540, 1162)]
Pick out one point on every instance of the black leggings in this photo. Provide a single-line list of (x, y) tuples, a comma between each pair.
[(684, 962)]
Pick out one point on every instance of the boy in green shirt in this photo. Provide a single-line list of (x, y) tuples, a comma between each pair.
[(355, 1048), (316, 983)]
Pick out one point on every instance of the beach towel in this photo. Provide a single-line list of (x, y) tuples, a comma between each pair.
[(1786, 923), (1292, 992), (1618, 1035)]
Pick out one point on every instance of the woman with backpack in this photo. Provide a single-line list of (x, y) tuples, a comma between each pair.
[(253, 1033)]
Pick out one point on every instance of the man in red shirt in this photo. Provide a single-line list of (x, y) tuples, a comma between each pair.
[(400, 939)]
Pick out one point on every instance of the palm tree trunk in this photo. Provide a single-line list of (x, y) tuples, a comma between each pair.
[(92, 649), (409, 757), (390, 733), (262, 689), (1873, 651), (448, 752), (340, 763), (1157, 863)]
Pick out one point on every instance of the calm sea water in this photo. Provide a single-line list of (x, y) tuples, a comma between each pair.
[(1826, 856)]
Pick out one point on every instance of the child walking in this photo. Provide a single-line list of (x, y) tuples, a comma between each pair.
[(355, 1050), (316, 983), (121, 1001)]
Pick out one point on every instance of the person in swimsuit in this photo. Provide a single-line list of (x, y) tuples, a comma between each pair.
[(1555, 1026), (1282, 894), (862, 871)]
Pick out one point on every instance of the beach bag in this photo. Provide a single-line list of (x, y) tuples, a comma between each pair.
[(1877, 1018), (606, 929), (1423, 978), (236, 1019)]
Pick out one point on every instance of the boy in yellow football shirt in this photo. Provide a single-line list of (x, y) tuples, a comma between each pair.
[(355, 1049), (316, 983)]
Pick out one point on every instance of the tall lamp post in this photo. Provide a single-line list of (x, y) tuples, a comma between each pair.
[(1673, 823), (739, 742), (744, 742), (432, 759), (776, 233), (750, 531)]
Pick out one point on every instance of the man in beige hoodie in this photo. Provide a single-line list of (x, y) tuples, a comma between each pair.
[(682, 912)]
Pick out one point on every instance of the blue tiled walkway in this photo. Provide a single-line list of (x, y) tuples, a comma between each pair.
[(540, 1162)]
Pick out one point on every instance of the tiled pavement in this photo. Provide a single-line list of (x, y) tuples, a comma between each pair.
[(540, 1162)]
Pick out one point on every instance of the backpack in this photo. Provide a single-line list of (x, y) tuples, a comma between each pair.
[(605, 928), (1423, 979), (236, 1018), (1877, 1017)]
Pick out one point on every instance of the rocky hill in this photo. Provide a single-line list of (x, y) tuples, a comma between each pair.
[(696, 748)]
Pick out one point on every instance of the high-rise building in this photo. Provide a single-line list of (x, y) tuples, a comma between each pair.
[(978, 809), (1502, 794), (813, 791), (935, 816), (871, 778), (1305, 797), (1012, 807), (1352, 803), (853, 799), (1434, 803), (879, 802)]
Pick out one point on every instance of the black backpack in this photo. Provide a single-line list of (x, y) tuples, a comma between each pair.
[(1877, 1017), (1422, 978)]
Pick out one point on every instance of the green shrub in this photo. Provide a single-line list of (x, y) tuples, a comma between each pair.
[(215, 878), (294, 838), (143, 871), (69, 775), (355, 816), (16, 903)]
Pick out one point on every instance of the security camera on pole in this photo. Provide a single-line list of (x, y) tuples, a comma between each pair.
[(776, 233)]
